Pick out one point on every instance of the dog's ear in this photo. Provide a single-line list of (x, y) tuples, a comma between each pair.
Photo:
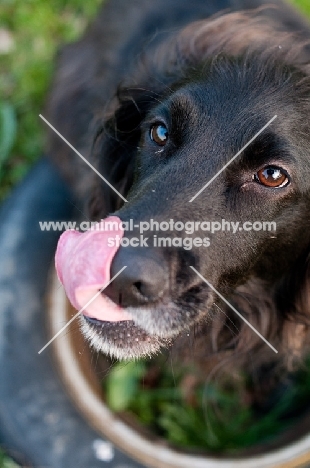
[(296, 304), (116, 146), (233, 35)]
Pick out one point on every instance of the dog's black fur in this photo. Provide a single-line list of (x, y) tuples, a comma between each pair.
[(214, 82)]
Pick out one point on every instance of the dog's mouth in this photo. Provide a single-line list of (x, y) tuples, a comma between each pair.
[(83, 264), (141, 331), (111, 329), (121, 340), (147, 331)]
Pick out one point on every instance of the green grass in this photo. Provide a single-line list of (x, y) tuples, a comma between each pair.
[(216, 417), (6, 462), (303, 5), (35, 29)]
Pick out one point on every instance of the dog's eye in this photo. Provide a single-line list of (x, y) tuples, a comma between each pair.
[(272, 176), (159, 134)]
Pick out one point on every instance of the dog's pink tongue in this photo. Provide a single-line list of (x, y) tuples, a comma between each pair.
[(83, 263)]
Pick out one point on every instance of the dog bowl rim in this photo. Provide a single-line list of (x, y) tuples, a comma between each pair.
[(139, 447)]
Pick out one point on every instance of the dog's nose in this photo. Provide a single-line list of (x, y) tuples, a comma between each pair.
[(145, 278)]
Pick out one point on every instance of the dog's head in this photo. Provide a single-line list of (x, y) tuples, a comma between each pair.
[(197, 101)]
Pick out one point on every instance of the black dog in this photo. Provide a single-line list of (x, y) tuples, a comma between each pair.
[(160, 96)]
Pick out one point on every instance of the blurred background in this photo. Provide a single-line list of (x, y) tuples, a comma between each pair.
[(31, 31)]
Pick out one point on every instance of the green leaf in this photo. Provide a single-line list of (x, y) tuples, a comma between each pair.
[(6, 462), (123, 383), (7, 130)]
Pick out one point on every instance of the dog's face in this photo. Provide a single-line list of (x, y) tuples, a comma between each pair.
[(176, 144)]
